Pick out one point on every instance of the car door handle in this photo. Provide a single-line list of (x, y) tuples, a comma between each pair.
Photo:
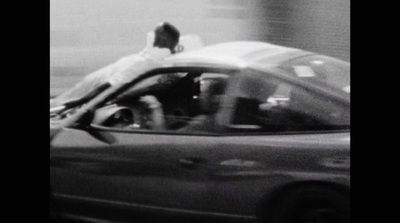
[(191, 162)]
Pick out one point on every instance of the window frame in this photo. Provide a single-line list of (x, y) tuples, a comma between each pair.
[(233, 73)]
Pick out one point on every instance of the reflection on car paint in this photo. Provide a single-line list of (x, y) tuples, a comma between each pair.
[(337, 162), (239, 162)]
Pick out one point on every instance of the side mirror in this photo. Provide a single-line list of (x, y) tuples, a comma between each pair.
[(85, 123)]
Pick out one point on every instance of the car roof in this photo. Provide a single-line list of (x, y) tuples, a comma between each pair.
[(238, 54)]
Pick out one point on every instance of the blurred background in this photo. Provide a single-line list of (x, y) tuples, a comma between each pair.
[(86, 35)]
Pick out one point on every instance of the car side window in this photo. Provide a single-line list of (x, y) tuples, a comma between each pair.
[(184, 102), (270, 105), (212, 90)]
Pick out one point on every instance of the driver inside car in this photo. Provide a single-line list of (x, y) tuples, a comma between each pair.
[(209, 102), (146, 113)]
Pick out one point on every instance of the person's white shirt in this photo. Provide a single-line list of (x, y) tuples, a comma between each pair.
[(130, 67)]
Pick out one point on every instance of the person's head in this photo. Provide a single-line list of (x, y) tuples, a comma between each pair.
[(166, 36)]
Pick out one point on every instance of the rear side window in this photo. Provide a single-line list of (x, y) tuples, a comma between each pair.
[(320, 69), (269, 105)]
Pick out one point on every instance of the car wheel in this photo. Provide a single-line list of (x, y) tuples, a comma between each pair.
[(312, 205)]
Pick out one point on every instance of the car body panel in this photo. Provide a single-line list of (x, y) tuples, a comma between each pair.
[(239, 169)]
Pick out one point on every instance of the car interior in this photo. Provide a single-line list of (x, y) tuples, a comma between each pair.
[(179, 94)]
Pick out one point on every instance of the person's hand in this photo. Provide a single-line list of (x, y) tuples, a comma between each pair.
[(151, 101)]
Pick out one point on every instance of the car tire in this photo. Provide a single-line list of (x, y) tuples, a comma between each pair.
[(312, 205)]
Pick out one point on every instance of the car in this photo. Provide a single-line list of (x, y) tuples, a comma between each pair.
[(242, 130)]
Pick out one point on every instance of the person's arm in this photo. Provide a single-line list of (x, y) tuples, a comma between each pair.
[(87, 97)]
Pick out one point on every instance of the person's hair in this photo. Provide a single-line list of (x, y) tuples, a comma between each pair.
[(166, 36)]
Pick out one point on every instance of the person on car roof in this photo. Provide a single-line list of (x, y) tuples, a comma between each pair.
[(164, 38)]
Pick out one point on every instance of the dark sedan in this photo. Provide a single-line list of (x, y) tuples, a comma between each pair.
[(236, 131)]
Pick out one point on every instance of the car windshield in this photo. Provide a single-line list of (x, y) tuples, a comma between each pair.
[(81, 88), (320, 69)]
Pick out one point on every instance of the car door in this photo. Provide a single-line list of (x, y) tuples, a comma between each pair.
[(141, 170), (138, 169)]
